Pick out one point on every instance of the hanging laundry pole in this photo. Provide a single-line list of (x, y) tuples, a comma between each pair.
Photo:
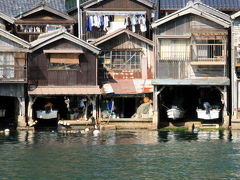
[(79, 20)]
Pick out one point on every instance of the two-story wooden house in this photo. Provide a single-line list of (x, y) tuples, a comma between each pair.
[(41, 19), (125, 65), (98, 18), (169, 6), (191, 65), (125, 71), (62, 76), (13, 77), (235, 69)]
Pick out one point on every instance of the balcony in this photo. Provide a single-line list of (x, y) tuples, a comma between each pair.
[(13, 74), (192, 62), (208, 54)]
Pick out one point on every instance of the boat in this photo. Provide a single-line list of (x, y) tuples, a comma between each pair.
[(42, 114), (213, 114), (175, 113)]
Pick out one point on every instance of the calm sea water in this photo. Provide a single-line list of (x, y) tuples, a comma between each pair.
[(120, 155)]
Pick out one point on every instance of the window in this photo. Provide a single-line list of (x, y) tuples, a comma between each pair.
[(208, 49), (174, 49), (120, 59), (6, 65), (64, 62)]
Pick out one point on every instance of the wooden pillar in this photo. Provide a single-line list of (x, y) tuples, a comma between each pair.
[(225, 111), (225, 114), (93, 102), (156, 93), (155, 108), (21, 112), (94, 107), (30, 110)]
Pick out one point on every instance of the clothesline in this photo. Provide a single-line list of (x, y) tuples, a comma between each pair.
[(116, 12)]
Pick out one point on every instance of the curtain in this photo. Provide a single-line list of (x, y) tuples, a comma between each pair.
[(5, 70), (175, 49)]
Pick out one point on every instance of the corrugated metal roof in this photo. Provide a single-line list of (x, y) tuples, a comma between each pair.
[(65, 90), (218, 4), (128, 86), (205, 81), (15, 7)]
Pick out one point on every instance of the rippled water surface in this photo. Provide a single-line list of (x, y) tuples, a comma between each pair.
[(120, 155)]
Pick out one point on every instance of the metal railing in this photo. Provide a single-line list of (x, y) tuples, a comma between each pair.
[(209, 52), (196, 52), (11, 73)]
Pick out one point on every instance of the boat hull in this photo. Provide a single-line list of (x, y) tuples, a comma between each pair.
[(51, 115), (214, 114), (175, 113)]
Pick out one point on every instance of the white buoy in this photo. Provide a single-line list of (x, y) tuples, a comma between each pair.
[(6, 132), (96, 131), (86, 129)]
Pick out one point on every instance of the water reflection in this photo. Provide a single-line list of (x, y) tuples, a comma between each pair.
[(117, 137), (120, 155)]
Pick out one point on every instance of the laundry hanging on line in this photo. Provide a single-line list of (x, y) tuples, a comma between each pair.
[(103, 22)]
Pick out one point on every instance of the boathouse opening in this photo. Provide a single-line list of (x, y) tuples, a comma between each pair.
[(47, 111), (124, 107), (190, 100), (8, 111)]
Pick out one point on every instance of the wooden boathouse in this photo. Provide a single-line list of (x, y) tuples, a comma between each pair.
[(125, 71), (62, 72), (235, 68), (13, 75), (192, 64)]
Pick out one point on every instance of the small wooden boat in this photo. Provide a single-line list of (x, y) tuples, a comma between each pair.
[(175, 113), (213, 114)]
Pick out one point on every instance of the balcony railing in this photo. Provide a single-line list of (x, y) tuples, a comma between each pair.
[(11, 73), (209, 52)]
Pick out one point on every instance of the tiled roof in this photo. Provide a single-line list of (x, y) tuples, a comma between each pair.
[(15, 7), (218, 4), (71, 4)]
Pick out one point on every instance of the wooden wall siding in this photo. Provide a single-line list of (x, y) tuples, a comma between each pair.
[(63, 44), (120, 5), (12, 90), (207, 71), (199, 24), (4, 42), (44, 17), (183, 70), (128, 42), (178, 26), (38, 68), (2, 24), (123, 41), (39, 74), (188, 24)]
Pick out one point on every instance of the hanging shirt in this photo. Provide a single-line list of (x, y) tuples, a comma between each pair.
[(106, 23), (90, 23), (101, 21), (127, 21), (142, 21), (133, 20)]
